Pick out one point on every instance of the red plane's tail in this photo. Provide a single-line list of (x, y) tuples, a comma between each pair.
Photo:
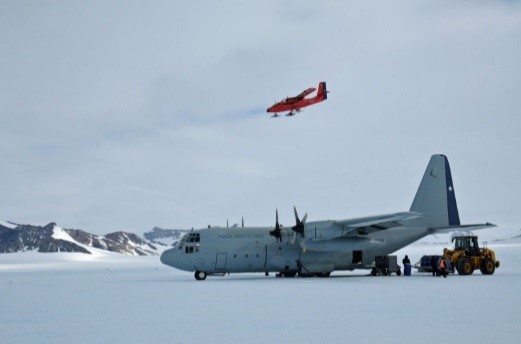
[(322, 91)]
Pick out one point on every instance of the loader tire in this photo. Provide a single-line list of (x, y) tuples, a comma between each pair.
[(464, 266), (487, 266)]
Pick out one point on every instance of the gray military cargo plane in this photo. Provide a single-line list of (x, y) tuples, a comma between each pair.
[(320, 247)]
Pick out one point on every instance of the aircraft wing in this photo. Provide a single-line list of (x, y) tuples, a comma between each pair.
[(305, 93), (370, 224)]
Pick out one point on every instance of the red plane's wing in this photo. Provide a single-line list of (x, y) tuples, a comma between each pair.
[(292, 100), (305, 93)]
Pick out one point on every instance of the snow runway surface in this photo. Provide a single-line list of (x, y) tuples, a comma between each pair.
[(139, 300)]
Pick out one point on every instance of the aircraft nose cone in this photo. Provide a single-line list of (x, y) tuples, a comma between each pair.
[(167, 257)]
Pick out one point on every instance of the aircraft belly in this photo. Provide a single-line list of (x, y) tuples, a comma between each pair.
[(283, 262), (313, 262)]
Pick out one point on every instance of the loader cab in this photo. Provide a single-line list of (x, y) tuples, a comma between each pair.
[(467, 243)]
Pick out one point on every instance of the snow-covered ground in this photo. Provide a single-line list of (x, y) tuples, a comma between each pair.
[(109, 298)]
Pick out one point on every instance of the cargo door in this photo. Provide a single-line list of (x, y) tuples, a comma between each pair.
[(220, 262)]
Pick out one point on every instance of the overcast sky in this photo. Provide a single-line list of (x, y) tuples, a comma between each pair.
[(124, 115)]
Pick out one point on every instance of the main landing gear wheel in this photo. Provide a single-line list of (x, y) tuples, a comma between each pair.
[(200, 275)]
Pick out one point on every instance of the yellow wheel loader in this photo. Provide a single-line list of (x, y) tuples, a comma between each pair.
[(468, 256)]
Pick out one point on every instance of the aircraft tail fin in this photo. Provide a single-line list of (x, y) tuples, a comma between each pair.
[(435, 197), (322, 91)]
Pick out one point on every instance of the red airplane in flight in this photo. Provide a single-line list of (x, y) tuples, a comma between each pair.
[(294, 104)]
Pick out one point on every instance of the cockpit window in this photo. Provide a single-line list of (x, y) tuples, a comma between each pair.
[(192, 241)]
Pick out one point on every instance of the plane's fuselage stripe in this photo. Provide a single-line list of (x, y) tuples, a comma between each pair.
[(452, 207)]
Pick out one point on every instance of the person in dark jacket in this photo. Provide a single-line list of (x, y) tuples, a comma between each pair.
[(434, 265), (406, 266)]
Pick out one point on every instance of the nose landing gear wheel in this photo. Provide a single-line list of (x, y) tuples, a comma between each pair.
[(200, 275)]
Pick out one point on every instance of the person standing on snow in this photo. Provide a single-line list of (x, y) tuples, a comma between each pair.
[(434, 265), (443, 267), (406, 266)]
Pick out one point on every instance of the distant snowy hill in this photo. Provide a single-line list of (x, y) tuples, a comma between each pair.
[(165, 237), (52, 238)]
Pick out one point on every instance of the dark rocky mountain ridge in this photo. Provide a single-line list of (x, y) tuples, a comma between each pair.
[(52, 238)]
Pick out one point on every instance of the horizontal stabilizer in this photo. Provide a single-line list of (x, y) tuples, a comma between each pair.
[(473, 227)]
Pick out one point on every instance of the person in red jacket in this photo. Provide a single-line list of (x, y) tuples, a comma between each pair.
[(443, 267)]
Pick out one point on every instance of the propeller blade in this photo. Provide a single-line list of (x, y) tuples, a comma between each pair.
[(277, 231), (299, 226)]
